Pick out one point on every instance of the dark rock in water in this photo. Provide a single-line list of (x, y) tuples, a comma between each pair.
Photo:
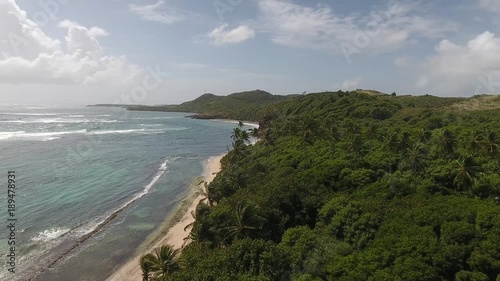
[(205, 117), (108, 105)]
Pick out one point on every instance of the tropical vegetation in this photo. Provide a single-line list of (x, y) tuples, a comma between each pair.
[(352, 186)]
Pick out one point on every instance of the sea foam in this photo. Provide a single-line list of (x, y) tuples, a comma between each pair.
[(48, 136), (50, 234), (89, 229), (28, 114), (41, 136), (58, 120), (130, 131)]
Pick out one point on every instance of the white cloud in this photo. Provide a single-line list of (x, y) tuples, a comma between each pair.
[(220, 36), (21, 36), (464, 69), (94, 31), (29, 56), (82, 38), (351, 84), (156, 12), (319, 28)]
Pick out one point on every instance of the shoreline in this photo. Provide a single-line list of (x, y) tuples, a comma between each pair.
[(175, 236), (246, 123)]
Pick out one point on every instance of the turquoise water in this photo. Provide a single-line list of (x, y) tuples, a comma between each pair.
[(77, 167)]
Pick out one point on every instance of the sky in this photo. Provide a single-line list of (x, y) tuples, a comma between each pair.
[(171, 51)]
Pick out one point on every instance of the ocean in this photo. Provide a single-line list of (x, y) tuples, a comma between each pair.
[(93, 183)]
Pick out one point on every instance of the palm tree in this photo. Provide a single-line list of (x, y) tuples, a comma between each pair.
[(147, 266), (288, 127), (405, 142), (355, 144), (191, 225), (244, 136), (196, 233), (391, 145), (424, 135), (209, 195), (164, 261), (200, 229), (415, 159), (466, 173), (334, 133), (268, 137), (265, 122), (350, 128), (372, 131), (254, 133), (490, 143), (391, 142), (238, 148), (236, 135), (201, 210), (307, 126), (241, 124), (474, 141), (244, 223), (447, 142), (240, 135)]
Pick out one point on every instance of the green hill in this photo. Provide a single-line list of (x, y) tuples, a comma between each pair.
[(242, 105), (352, 186), (255, 105)]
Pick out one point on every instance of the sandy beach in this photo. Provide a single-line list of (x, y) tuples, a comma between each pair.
[(175, 235)]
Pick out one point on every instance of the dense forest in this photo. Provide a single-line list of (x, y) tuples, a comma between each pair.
[(351, 186)]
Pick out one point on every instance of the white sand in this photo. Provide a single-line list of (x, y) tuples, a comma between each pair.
[(175, 236)]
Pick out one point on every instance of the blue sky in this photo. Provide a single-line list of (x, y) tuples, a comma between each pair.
[(169, 51)]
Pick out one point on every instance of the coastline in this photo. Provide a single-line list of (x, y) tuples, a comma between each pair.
[(246, 123), (176, 235)]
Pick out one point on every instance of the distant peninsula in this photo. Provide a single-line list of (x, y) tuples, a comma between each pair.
[(108, 105)]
